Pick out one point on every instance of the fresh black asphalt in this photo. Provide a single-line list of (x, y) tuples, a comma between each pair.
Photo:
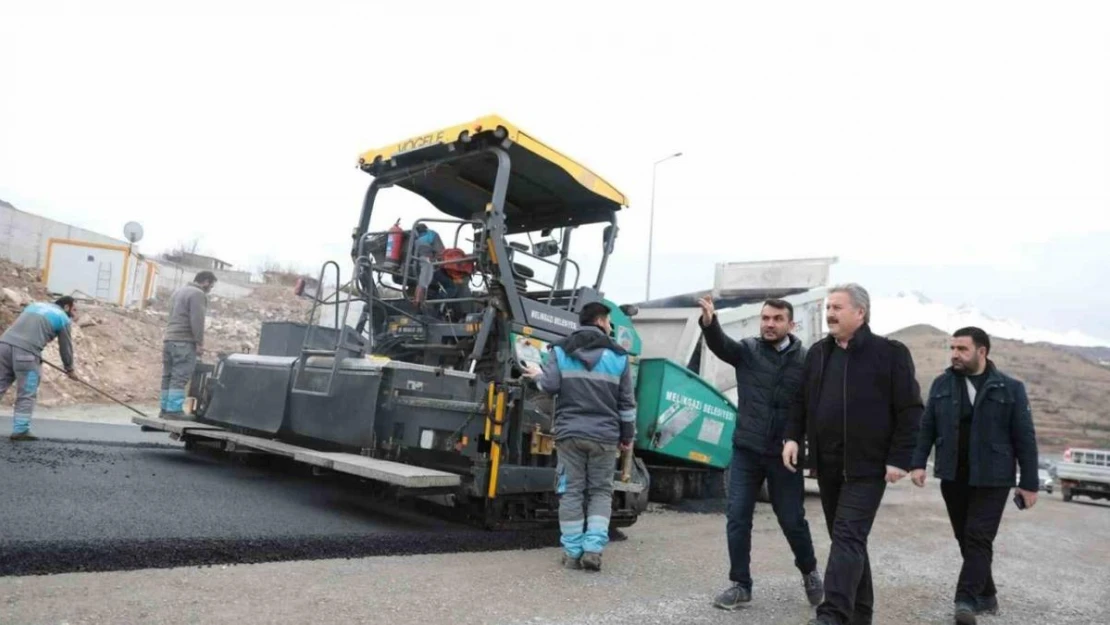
[(90, 497)]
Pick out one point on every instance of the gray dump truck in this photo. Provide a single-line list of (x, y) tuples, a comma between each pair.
[(669, 329)]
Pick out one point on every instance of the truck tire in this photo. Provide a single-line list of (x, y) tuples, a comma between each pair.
[(716, 484), (694, 485), (1065, 492), (668, 487), (640, 472)]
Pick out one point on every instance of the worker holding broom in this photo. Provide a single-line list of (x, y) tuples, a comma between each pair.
[(21, 348)]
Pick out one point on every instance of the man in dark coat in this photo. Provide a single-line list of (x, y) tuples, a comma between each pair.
[(859, 409), (768, 375), (980, 422)]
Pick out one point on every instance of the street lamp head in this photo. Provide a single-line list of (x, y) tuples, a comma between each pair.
[(667, 158)]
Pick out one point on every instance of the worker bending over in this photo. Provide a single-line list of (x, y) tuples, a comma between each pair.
[(21, 348), (594, 416), (183, 342)]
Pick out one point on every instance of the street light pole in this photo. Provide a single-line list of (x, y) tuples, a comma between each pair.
[(651, 222)]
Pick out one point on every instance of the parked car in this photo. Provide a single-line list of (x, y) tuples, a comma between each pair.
[(1045, 480)]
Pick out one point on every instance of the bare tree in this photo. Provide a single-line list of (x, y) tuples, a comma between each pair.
[(177, 252)]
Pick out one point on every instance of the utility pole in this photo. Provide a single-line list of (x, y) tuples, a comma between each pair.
[(651, 223)]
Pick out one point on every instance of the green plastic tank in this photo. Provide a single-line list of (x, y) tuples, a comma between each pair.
[(681, 416)]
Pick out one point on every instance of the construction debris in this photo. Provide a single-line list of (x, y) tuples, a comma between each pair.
[(120, 350), (18, 298)]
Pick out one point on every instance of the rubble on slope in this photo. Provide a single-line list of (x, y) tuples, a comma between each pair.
[(120, 350)]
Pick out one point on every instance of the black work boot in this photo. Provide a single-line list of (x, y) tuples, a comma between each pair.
[(733, 597), (987, 605), (23, 436), (591, 561), (815, 588), (964, 614)]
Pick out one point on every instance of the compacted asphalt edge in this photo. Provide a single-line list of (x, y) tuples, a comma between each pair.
[(93, 497)]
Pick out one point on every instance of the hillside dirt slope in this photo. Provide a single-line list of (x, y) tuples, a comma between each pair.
[(1067, 393)]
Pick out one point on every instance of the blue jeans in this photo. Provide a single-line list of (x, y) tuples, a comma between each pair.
[(746, 473)]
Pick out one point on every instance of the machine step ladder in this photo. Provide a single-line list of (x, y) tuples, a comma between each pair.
[(336, 351)]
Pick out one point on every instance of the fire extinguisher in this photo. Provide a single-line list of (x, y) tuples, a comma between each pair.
[(393, 243)]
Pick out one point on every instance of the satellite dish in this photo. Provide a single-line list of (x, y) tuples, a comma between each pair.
[(133, 231)]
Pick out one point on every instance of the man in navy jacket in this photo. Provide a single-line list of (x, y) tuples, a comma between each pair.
[(979, 420)]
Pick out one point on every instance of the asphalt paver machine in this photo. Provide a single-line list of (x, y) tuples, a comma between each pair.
[(423, 394)]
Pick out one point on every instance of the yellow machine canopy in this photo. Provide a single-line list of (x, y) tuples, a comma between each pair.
[(455, 169)]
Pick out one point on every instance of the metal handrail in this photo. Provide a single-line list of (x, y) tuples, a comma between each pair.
[(317, 301), (340, 330), (561, 264)]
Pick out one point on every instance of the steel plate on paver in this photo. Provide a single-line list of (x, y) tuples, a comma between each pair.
[(174, 426), (382, 470)]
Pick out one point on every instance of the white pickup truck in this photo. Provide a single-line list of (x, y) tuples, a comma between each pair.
[(1084, 472)]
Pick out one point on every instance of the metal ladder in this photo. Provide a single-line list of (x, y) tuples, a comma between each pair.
[(104, 281), (341, 332)]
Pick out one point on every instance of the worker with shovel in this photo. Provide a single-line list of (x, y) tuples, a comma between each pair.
[(21, 348)]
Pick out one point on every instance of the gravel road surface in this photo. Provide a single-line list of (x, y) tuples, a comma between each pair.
[(1051, 562), (1050, 568)]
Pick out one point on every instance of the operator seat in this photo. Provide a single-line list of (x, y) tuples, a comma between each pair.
[(522, 272)]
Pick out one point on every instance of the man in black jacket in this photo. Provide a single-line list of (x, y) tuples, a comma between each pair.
[(768, 374), (980, 421), (859, 408)]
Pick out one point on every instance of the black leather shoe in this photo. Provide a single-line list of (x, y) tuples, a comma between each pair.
[(964, 614), (815, 588)]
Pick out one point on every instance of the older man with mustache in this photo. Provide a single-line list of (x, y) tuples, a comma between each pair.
[(859, 408)]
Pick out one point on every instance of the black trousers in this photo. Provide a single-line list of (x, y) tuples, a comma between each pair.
[(850, 507), (975, 514)]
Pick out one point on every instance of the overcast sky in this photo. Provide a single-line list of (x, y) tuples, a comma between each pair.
[(959, 148)]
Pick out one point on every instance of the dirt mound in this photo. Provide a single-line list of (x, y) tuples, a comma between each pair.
[(1066, 391), (19, 286), (120, 351)]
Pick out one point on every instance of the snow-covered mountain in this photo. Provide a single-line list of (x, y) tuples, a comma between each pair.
[(890, 314)]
